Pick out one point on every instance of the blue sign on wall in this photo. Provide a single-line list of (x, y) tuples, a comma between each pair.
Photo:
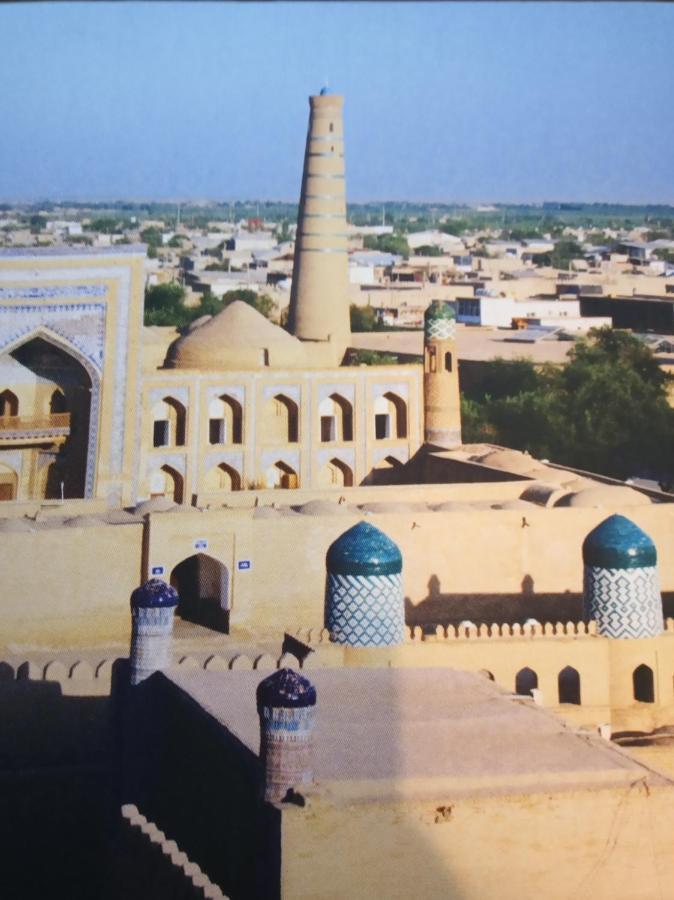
[(243, 565), (157, 570), (201, 544)]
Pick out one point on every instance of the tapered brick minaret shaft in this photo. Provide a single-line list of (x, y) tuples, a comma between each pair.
[(319, 301)]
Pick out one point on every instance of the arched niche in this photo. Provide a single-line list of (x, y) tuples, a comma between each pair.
[(225, 420), (168, 423), (222, 478), (203, 586), (390, 417)]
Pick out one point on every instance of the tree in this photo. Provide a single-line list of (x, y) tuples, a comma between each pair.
[(363, 318), (152, 237), (387, 243), (263, 303), (606, 411), (165, 305), (429, 250)]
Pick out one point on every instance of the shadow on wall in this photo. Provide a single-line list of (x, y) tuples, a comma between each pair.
[(56, 768), (448, 608)]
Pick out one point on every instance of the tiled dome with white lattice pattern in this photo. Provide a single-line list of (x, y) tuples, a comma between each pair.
[(364, 598), (621, 590), (439, 321)]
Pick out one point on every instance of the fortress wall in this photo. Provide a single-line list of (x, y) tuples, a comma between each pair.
[(68, 585), (71, 586), (555, 844)]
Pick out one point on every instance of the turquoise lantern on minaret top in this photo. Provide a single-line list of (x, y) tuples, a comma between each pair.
[(621, 589)]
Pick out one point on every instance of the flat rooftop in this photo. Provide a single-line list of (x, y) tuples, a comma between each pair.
[(474, 343), (413, 732)]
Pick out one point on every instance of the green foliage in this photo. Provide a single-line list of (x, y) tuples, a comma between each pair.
[(428, 250), (387, 243), (178, 240), (455, 227), (371, 358), (165, 304), (664, 254), (363, 318), (105, 225), (152, 237), (606, 411)]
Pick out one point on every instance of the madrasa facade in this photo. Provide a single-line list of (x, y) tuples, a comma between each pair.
[(91, 407)]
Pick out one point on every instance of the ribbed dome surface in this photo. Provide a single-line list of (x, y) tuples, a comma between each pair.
[(617, 543), (238, 338), (153, 594), (364, 550), (287, 690)]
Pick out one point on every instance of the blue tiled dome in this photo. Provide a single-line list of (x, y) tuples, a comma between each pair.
[(364, 550), (153, 594), (286, 689), (617, 543)]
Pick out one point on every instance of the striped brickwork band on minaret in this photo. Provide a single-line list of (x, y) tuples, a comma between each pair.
[(319, 300)]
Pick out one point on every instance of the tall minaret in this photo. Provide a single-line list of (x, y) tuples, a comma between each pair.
[(319, 300), (442, 406)]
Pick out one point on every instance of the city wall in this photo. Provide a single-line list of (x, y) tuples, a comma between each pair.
[(71, 586)]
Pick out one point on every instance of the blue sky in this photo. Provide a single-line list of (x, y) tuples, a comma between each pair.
[(446, 102)]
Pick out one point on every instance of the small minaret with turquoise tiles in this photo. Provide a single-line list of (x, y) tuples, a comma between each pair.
[(442, 405), (152, 607), (621, 590), (364, 604)]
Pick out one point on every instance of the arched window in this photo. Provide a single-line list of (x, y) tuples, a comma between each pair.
[(390, 417), (568, 686), (9, 404), (336, 417), (282, 420), (57, 403), (281, 475), (526, 681), (222, 478), (642, 681), (225, 418), (166, 482), (8, 483), (335, 474), (168, 423)]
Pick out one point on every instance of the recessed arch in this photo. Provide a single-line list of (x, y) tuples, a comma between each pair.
[(203, 586), (9, 481), (65, 376), (335, 474), (336, 419), (568, 685), (643, 684), (168, 423), (390, 417), (281, 475), (225, 420), (167, 482), (9, 404), (526, 681), (222, 478), (281, 422)]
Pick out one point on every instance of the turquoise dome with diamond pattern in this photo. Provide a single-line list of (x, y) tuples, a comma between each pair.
[(364, 550), (617, 543)]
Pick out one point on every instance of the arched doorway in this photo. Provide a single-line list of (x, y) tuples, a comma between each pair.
[(336, 419), (61, 401), (281, 423), (202, 583), (9, 404), (225, 420), (168, 423)]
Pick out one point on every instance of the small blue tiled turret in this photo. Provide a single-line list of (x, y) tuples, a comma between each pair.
[(364, 598), (152, 607), (439, 321), (621, 590), (285, 704)]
